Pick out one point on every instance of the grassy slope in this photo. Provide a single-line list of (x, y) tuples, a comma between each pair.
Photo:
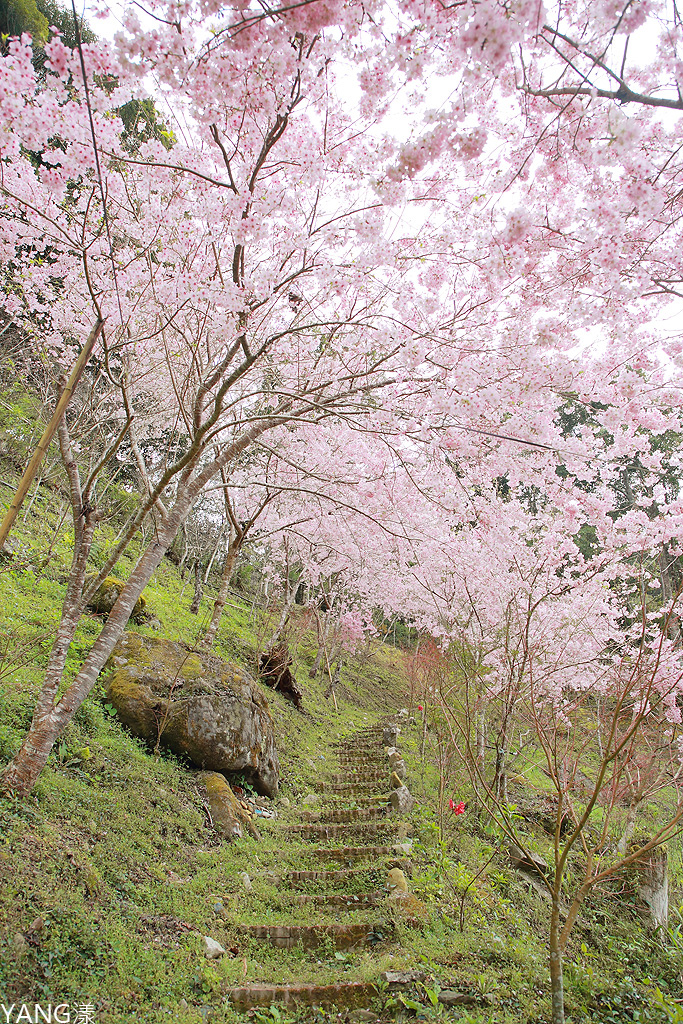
[(115, 853)]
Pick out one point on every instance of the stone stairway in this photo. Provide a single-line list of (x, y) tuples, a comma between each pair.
[(351, 840)]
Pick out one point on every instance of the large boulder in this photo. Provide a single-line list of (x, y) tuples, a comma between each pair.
[(195, 704)]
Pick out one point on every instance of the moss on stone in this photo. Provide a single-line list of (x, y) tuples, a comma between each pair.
[(191, 668), (108, 594)]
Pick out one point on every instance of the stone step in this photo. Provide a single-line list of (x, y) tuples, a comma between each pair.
[(367, 730), (354, 764), (343, 875), (359, 753), (351, 788), (337, 801), (349, 746), (329, 877), (353, 814), (364, 778), (357, 764), (342, 994), (320, 831), (342, 936), (339, 899), (348, 854)]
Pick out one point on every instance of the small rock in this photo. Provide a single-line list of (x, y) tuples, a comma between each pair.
[(310, 799), (394, 781), (10, 548), (154, 624), (399, 768), (406, 848), (218, 907), (362, 1015), (390, 735), (402, 800), (396, 881), (183, 1004), (246, 881), (398, 979), (449, 997), (390, 750), (228, 814), (212, 949), (284, 803), (311, 816), (531, 863), (19, 944)]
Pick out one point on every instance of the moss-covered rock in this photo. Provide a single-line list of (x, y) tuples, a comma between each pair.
[(195, 704), (108, 594), (228, 816)]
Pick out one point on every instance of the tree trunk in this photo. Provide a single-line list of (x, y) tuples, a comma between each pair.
[(198, 589), (480, 729), (289, 602), (323, 632), (213, 556), (556, 972), (630, 824), (500, 777), (21, 774), (500, 781), (228, 566), (673, 626)]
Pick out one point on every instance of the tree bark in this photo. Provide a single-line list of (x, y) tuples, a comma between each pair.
[(556, 970), (500, 781), (284, 617), (49, 432), (323, 632), (630, 824), (228, 566), (198, 589), (480, 728)]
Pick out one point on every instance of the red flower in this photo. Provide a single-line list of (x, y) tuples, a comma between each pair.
[(457, 808), (419, 707)]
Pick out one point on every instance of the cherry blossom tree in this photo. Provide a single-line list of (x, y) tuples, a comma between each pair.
[(291, 264), (193, 264)]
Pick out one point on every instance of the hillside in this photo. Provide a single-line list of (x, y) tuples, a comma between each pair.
[(112, 873)]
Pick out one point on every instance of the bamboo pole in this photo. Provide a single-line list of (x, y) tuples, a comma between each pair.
[(48, 433)]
